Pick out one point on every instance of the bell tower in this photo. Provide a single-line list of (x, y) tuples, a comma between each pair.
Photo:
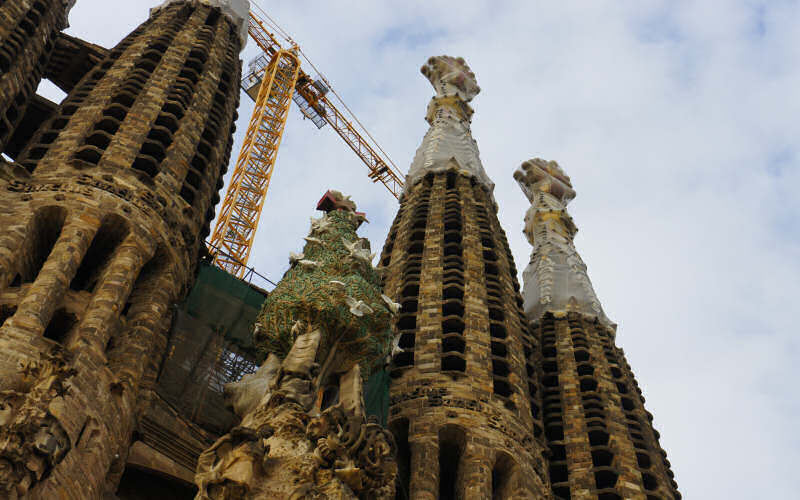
[(464, 406), (601, 438), (100, 230)]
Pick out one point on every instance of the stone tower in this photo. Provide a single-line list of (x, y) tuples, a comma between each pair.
[(101, 222), (464, 405), (28, 30), (601, 439)]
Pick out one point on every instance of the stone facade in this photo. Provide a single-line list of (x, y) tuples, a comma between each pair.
[(28, 33), (103, 216), (601, 439), (464, 404)]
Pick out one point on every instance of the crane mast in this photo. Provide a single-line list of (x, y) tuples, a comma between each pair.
[(279, 80)]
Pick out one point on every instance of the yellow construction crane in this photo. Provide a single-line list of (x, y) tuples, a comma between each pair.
[(274, 80)]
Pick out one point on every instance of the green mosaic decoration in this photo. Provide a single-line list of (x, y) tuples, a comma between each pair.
[(333, 287)]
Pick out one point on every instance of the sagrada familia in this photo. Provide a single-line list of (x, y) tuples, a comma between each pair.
[(132, 369)]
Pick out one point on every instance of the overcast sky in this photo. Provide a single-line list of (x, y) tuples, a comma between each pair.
[(678, 124)]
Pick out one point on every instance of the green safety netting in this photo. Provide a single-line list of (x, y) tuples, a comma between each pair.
[(225, 303), (210, 345), (376, 395)]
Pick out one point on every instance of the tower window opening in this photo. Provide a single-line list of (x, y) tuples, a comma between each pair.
[(554, 433), (500, 368), (400, 431), (6, 311), (453, 343), (501, 477), (605, 478), (558, 473), (453, 307), (451, 447), (581, 355), (598, 438), (562, 492), (499, 348), (602, 457), (405, 358), (502, 388), (60, 325), (407, 340), (558, 452), (497, 331), (47, 223), (104, 244), (453, 363), (407, 322)]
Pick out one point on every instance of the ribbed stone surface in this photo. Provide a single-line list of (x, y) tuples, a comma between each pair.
[(28, 30), (100, 225), (460, 391), (601, 440)]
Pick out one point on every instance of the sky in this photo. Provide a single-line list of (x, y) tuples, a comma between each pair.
[(678, 124)]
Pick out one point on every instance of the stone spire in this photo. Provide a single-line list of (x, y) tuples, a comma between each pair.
[(238, 11), (555, 279), (464, 403), (600, 436), (449, 141)]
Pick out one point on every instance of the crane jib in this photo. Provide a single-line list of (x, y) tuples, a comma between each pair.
[(275, 79)]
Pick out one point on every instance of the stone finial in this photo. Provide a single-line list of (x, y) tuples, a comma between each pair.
[(448, 145), (547, 176), (549, 190), (556, 280), (450, 76)]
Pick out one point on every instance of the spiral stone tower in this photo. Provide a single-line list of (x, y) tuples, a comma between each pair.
[(600, 436), (101, 221), (464, 405), (28, 31)]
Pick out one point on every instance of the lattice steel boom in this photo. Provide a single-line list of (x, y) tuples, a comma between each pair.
[(273, 92), (241, 210)]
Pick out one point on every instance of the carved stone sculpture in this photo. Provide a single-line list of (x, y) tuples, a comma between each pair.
[(556, 278), (448, 143), (32, 440), (325, 323)]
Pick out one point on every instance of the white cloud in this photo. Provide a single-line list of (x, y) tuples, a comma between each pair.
[(677, 122)]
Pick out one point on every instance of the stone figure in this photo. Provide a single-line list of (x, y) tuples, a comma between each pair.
[(325, 325)]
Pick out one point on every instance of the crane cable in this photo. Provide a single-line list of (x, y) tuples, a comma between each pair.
[(289, 39), (274, 24)]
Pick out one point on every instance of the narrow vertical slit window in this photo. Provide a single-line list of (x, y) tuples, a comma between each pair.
[(47, 226), (451, 449), (104, 244)]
